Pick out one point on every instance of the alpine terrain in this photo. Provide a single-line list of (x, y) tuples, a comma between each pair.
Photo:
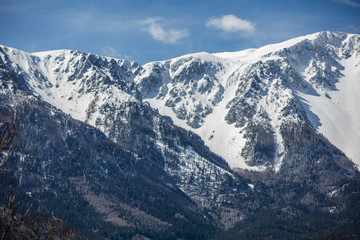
[(257, 144)]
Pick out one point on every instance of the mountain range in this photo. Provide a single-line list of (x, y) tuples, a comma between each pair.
[(261, 143)]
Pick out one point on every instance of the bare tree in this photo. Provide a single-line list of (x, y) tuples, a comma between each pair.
[(11, 220), (8, 130)]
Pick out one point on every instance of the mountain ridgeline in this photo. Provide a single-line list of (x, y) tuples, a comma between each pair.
[(255, 144)]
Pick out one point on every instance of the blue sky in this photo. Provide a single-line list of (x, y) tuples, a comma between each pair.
[(151, 30)]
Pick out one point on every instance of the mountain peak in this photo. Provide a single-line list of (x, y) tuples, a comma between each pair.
[(267, 87), (227, 98), (181, 136)]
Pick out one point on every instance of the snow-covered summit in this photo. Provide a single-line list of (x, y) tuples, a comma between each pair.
[(238, 103), (320, 38), (231, 99), (75, 82)]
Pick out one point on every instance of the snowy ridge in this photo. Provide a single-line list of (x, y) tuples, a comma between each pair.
[(278, 84), (237, 102), (79, 84)]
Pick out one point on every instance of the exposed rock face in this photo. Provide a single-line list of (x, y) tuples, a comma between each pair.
[(188, 86), (258, 92)]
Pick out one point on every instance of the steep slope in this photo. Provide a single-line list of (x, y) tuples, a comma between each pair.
[(74, 82), (94, 128), (236, 102), (239, 102), (72, 171), (99, 91)]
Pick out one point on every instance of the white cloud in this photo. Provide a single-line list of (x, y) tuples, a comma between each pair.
[(155, 26), (232, 24), (109, 51), (350, 3)]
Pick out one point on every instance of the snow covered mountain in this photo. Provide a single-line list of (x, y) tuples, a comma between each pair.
[(100, 91), (225, 98), (234, 100), (192, 126)]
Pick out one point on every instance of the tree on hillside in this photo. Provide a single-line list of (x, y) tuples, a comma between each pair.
[(24, 226), (8, 129)]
